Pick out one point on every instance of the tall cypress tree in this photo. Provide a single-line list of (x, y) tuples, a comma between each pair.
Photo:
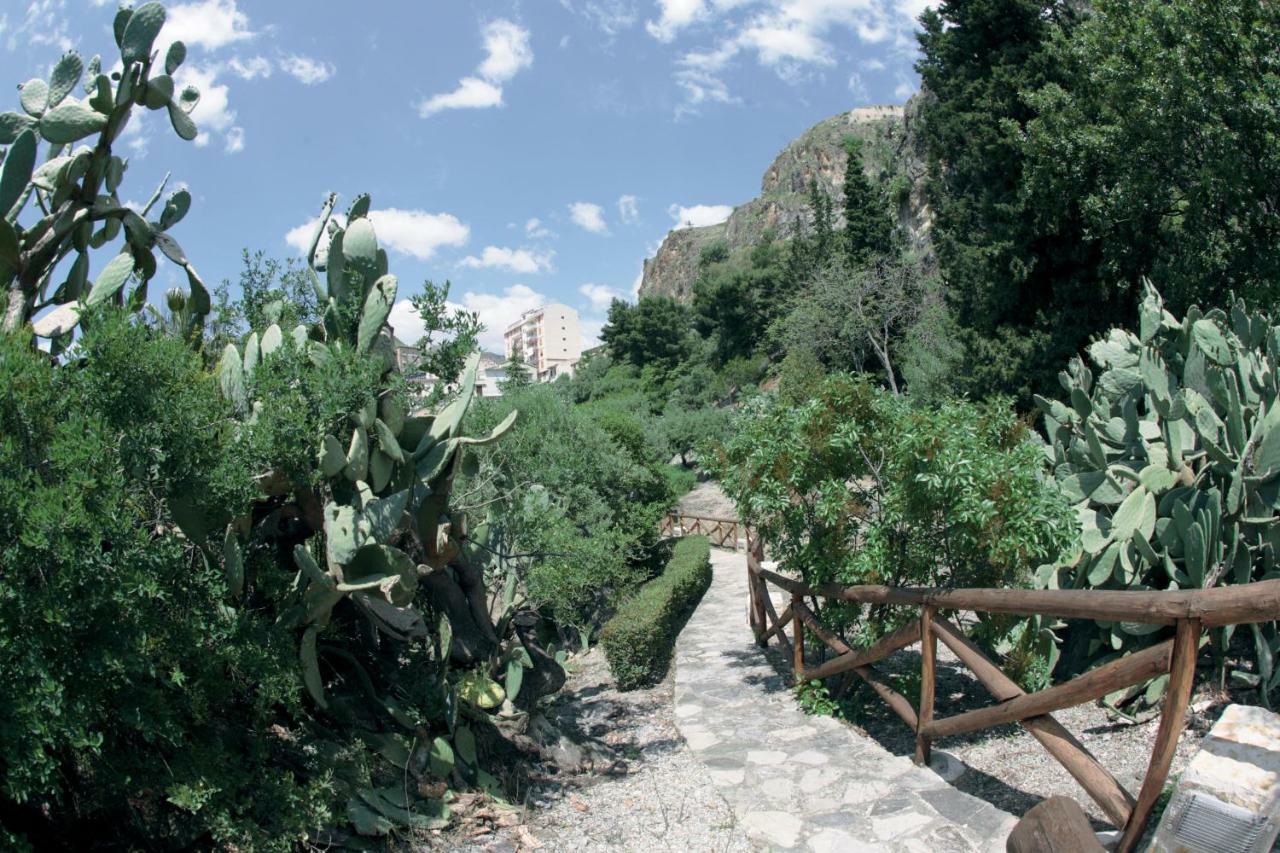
[(868, 230)]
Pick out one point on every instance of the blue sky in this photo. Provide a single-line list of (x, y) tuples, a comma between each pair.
[(527, 151)]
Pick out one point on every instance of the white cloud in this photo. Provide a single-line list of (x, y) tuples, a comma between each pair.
[(535, 230), (472, 93), (635, 285), (416, 233), (872, 64), (405, 322), (628, 211), (698, 215), (507, 53), (906, 87), (516, 260), (251, 68), (588, 216), (45, 23), (675, 16), (609, 16), (235, 140), (306, 70), (210, 24), (599, 295), (785, 36), (589, 328), (856, 87)]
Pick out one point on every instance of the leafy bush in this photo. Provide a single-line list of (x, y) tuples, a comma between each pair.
[(577, 493), (856, 486), (639, 639), (137, 703)]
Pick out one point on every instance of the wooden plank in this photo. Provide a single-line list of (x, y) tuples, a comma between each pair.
[(1227, 605), (852, 659), (797, 639), (1115, 802), (1057, 825), (777, 623), (895, 700), (904, 636), (928, 661), (1186, 646), (782, 621), (1094, 684)]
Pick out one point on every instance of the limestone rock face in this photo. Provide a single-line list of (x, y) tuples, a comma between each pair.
[(892, 158)]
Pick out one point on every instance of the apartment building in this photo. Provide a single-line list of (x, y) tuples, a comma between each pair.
[(547, 339)]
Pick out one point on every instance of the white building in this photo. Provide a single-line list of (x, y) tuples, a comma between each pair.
[(548, 340)]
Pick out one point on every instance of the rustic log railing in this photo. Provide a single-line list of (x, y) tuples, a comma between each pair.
[(723, 532), (1189, 611)]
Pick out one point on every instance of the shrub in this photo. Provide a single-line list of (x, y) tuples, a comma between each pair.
[(577, 493), (137, 703), (857, 486), (639, 639)]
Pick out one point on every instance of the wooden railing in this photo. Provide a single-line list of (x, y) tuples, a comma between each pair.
[(723, 532), (1190, 612)]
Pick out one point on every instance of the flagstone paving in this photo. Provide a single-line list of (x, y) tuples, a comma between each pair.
[(797, 782)]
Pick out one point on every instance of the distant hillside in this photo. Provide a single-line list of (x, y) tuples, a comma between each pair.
[(891, 156)]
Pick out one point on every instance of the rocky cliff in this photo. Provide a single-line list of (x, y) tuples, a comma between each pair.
[(891, 157)]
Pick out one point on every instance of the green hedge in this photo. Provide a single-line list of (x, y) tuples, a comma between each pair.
[(638, 640)]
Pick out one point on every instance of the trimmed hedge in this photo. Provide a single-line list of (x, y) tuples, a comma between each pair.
[(639, 639)]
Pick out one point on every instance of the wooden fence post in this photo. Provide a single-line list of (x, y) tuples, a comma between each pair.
[(797, 644), (1182, 672), (928, 663)]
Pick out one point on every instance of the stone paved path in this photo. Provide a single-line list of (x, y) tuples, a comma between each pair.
[(797, 782)]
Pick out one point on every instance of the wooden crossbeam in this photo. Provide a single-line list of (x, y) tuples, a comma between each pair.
[(1094, 684), (1116, 803)]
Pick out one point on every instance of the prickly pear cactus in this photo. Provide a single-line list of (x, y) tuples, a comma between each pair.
[(1170, 449), (76, 185), (388, 564)]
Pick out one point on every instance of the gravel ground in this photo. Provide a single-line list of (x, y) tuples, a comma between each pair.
[(655, 797), (708, 501), (1009, 768)]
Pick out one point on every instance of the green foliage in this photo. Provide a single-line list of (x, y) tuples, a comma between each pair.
[(574, 495), (639, 639), (449, 335), (269, 292), (857, 486), (77, 189), (1019, 315), (235, 601), (799, 376), (1171, 454), (132, 686), (653, 333), (1160, 140), (868, 230), (735, 300)]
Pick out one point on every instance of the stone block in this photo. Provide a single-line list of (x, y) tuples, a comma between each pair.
[(1229, 796)]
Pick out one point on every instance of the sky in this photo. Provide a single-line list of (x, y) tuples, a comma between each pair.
[(527, 151)]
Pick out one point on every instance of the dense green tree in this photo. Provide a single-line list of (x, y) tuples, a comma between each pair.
[(652, 333), (1019, 309), (519, 374), (868, 230), (270, 291), (734, 301), (1161, 139), (449, 333)]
